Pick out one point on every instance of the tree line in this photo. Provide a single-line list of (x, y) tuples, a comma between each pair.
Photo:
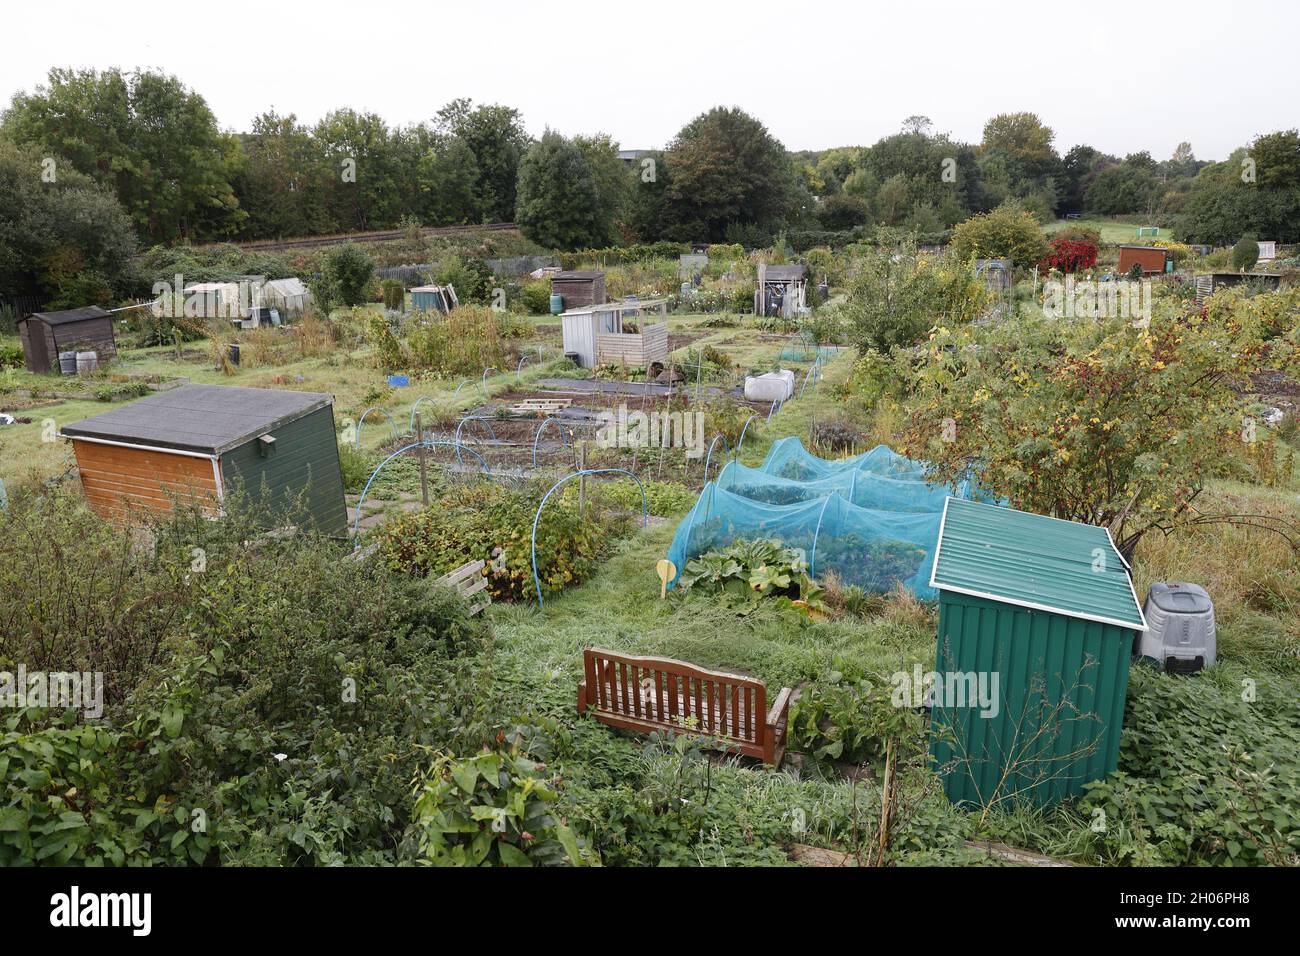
[(145, 159)]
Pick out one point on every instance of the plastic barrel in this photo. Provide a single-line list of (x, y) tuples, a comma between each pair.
[(557, 303), (86, 362), (68, 363)]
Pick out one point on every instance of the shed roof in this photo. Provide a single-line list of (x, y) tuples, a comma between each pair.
[(71, 315), (579, 275), (1034, 561), (783, 273), (203, 418)]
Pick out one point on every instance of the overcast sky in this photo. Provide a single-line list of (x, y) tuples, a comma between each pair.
[(1120, 76)]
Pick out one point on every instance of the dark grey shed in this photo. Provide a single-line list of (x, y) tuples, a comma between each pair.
[(274, 444), (45, 334)]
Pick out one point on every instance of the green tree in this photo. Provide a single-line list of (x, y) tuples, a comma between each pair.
[(53, 232), (726, 169), (613, 183), (1007, 232), (898, 294), (559, 201), (1245, 253), (363, 179), (283, 180), (346, 274), (1112, 422), (146, 136), (496, 137)]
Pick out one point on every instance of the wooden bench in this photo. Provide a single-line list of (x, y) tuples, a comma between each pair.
[(468, 580), (646, 694)]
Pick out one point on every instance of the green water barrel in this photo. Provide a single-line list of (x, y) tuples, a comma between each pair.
[(557, 303)]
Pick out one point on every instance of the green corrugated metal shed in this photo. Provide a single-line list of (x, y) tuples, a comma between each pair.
[(1045, 607)]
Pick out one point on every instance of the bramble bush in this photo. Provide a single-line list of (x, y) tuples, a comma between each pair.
[(490, 522), (266, 702)]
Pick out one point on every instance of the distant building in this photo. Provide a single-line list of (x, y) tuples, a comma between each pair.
[(634, 156), (780, 290), (578, 289), (45, 334), (1153, 260)]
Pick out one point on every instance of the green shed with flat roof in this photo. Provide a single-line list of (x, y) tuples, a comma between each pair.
[(1037, 617)]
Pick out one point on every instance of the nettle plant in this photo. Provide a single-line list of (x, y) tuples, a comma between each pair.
[(1112, 421)]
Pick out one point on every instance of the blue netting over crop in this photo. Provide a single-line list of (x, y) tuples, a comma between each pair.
[(871, 519)]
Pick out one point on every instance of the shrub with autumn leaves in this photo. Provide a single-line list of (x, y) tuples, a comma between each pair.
[(1069, 255), (1105, 421)]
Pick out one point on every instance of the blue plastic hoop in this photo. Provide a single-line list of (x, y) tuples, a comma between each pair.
[(645, 514)]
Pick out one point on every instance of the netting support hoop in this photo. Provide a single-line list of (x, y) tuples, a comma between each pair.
[(541, 428), (415, 408), (356, 529), (645, 514), (812, 562), (362, 421), (740, 444), (709, 457), (473, 418)]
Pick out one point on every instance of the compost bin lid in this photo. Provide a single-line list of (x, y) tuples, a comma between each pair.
[(1180, 598)]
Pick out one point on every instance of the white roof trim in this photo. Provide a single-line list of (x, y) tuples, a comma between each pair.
[(1002, 599), (1033, 606)]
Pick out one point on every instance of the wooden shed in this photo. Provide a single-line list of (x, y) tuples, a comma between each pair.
[(45, 334), (198, 442), (1153, 260), (578, 289), (600, 334)]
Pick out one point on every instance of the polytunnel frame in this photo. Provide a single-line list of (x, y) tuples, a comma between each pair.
[(473, 418), (415, 408), (645, 514), (362, 420), (741, 444), (537, 437), (356, 529), (709, 457)]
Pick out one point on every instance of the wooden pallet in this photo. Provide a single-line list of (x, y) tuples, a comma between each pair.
[(541, 406), (468, 580)]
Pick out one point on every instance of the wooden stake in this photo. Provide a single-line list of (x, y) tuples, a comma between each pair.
[(582, 481), (424, 468)]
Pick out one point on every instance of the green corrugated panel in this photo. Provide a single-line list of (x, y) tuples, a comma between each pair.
[(1034, 561), (1062, 683)]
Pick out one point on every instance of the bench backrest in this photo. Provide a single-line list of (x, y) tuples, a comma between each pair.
[(674, 694)]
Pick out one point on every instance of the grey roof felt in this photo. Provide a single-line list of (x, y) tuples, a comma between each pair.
[(203, 418), (72, 315)]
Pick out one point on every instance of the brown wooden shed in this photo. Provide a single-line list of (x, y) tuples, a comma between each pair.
[(1150, 258), (579, 289), (45, 334)]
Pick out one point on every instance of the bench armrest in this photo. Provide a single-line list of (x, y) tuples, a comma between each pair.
[(777, 714)]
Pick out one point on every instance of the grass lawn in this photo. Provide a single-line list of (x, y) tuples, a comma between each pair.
[(1112, 232)]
